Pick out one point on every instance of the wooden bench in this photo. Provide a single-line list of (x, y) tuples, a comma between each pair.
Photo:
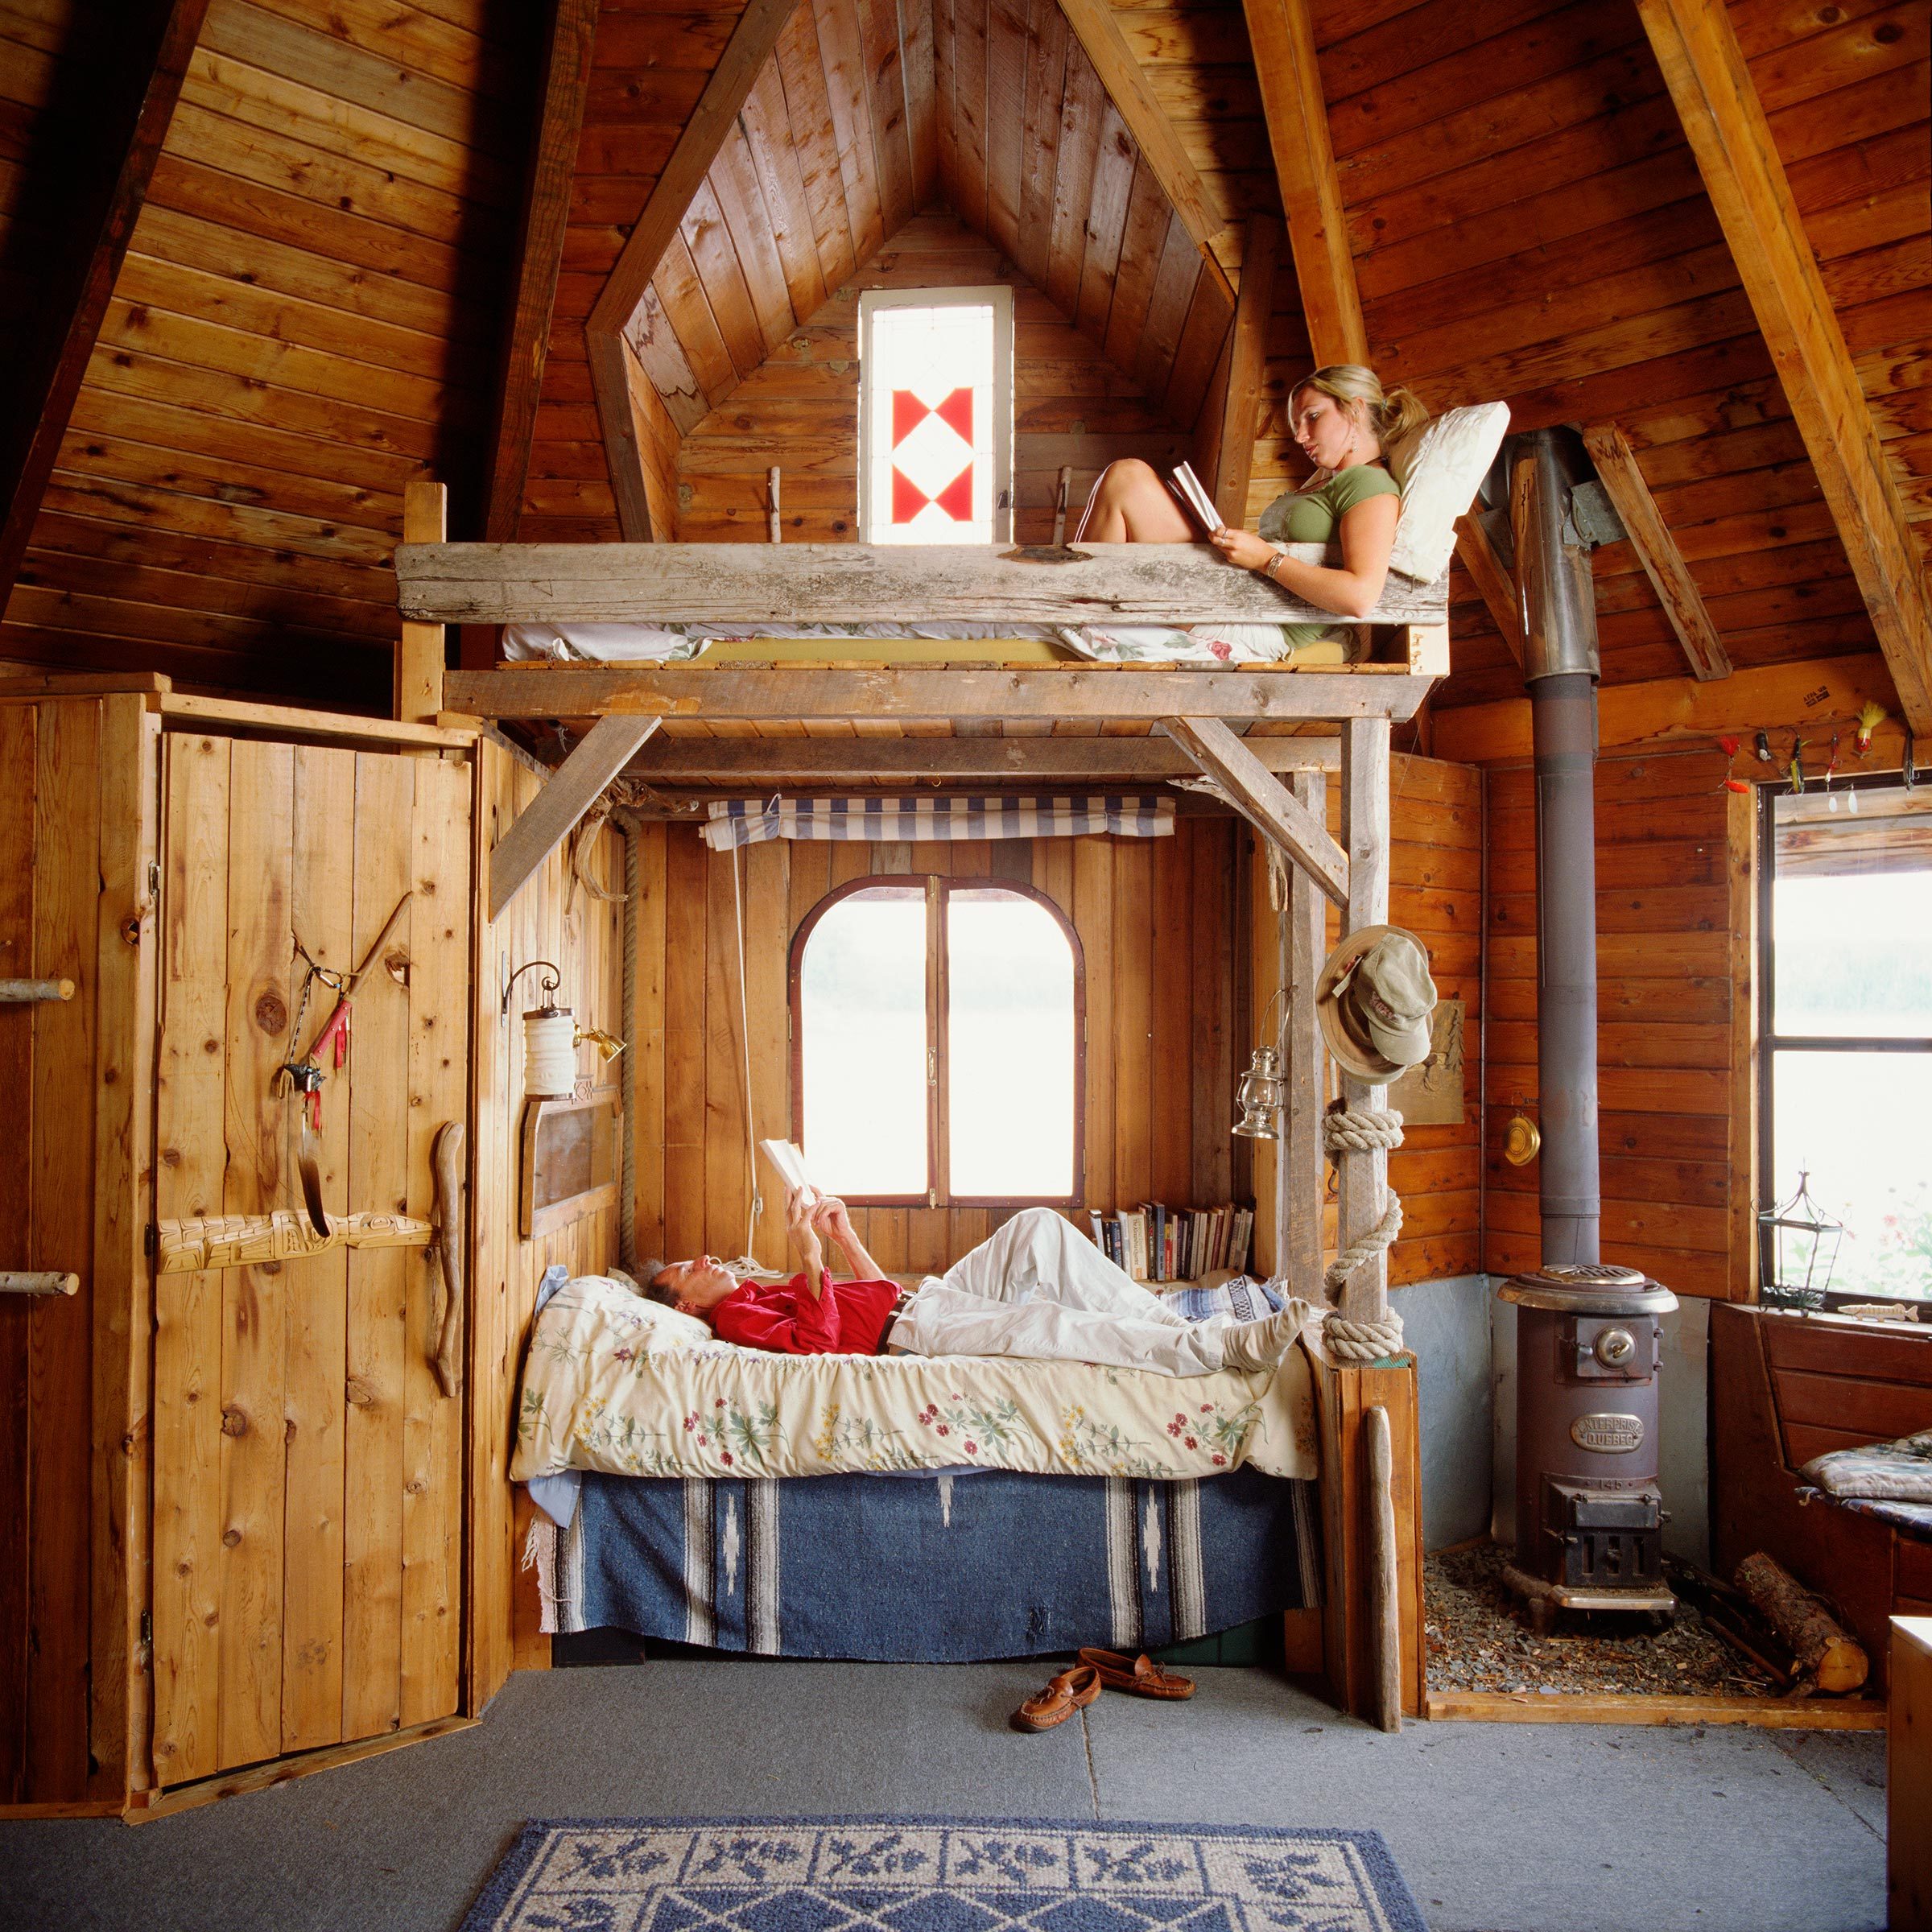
[(1786, 1388)]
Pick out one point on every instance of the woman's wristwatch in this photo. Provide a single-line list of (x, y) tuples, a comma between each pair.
[(1274, 557)]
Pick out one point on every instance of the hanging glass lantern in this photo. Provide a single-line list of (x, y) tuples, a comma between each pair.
[(1259, 1096), (1798, 1248)]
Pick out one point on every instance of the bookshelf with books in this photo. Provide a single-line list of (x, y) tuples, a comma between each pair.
[(1162, 1245)]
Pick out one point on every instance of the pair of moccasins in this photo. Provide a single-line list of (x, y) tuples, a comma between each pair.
[(1074, 1689)]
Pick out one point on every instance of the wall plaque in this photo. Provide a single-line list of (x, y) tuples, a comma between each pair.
[(1431, 1095)]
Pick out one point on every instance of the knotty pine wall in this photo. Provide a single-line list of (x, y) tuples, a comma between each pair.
[(1434, 890), (801, 407), (1674, 1019), (1158, 921), (583, 936)]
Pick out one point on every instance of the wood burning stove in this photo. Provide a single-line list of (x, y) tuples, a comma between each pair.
[(1589, 1511)]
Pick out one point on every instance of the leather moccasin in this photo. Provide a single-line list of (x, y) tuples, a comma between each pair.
[(1069, 1691), (1142, 1676)]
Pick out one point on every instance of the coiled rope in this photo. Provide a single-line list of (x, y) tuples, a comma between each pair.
[(1362, 1130)]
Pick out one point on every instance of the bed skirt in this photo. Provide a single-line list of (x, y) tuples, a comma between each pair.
[(929, 1569)]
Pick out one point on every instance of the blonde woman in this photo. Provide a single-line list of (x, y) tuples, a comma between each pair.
[(1344, 421)]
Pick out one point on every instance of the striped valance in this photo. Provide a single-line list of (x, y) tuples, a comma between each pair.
[(735, 822)]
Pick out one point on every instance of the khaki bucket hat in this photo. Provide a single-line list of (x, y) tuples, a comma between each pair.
[(1373, 998)]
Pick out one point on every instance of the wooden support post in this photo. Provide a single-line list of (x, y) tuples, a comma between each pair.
[(772, 529), (1063, 490), (554, 814), (1385, 1609), (1247, 365), (1364, 1174), (1656, 550), (1283, 39), (1299, 1170), (1703, 65), (1909, 1778), (418, 676), (1263, 800)]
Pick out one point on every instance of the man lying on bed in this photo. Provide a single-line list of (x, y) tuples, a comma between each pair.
[(1037, 1289)]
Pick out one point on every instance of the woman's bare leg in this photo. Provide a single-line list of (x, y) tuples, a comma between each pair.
[(1131, 504)]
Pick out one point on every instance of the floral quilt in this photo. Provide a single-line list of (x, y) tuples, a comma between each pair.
[(615, 1382)]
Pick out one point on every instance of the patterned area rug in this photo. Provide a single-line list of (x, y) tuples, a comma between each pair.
[(937, 1875)]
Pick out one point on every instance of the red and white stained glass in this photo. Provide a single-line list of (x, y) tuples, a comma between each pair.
[(929, 377)]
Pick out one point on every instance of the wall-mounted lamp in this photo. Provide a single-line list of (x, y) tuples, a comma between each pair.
[(551, 1037)]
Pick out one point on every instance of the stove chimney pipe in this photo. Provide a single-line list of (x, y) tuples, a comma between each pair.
[(1561, 667)]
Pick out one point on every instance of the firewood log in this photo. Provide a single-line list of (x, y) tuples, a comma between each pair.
[(1836, 1663)]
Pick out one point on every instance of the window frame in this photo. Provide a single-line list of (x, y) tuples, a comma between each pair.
[(1770, 1043), (937, 890), (999, 297)]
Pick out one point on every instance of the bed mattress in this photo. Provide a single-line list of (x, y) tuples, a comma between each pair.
[(616, 1383)]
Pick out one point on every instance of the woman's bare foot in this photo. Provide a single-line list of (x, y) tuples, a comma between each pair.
[(1129, 504)]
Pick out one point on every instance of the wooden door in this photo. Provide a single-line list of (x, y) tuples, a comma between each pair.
[(307, 1524)]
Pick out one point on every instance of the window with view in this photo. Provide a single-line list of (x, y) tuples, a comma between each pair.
[(935, 415), (936, 1032), (1845, 1030)]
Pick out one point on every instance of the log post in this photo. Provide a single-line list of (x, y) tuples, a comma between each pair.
[(24, 992), (1299, 1168), (772, 526), (1385, 1608), (1363, 1175), (1830, 1660), (49, 1282), (418, 680)]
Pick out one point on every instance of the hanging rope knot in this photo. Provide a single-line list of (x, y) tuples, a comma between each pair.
[(1361, 1130), (1362, 1341)]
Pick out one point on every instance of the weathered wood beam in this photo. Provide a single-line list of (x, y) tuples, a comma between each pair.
[(823, 761), (1493, 582), (1616, 468), (126, 128), (556, 811), (1825, 693), (563, 86), (419, 650), (1098, 30), (1261, 798), (1234, 461), (1283, 39), (860, 583), (1362, 1174), (793, 692), (710, 126), (1697, 47), (1299, 1172)]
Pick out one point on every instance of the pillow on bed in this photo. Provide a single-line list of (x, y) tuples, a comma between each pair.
[(1439, 471), (669, 1327)]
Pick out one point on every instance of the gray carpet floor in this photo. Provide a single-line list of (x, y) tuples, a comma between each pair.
[(1498, 1828)]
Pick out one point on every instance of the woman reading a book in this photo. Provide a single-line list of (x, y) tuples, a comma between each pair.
[(1344, 421), (1037, 1289)]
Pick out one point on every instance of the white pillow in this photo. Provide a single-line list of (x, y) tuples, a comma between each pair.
[(669, 1327), (1439, 470)]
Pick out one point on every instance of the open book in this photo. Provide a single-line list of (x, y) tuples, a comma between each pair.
[(1189, 489), (787, 1161)]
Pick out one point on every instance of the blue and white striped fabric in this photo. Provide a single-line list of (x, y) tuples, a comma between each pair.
[(735, 822)]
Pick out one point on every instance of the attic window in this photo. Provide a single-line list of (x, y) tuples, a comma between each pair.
[(935, 415)]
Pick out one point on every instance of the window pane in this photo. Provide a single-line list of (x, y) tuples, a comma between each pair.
[(1857, 1122), (1851, 914), (1010, 1047), (929, 414), (862, 1017)]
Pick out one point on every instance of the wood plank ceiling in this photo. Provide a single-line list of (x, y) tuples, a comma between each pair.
[(311, 311)]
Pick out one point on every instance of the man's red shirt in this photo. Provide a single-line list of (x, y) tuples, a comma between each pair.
[(786, 1317)]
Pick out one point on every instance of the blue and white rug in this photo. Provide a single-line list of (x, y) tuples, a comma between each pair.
[(937, 1875)]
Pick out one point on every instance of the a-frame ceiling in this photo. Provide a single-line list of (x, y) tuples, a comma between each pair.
[(314, 308)]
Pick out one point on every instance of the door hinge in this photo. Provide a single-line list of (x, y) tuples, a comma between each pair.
[(147, 1626), (932, 1067), (150, 1238), (932, 1197)]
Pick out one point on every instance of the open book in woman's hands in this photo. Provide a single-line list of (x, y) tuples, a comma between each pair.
[(787, 1161), (1188, 487)]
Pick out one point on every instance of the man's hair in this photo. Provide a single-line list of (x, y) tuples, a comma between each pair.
[(648, 1271)]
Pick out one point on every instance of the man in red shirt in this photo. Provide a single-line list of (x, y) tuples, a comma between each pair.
[(1037, 1289)]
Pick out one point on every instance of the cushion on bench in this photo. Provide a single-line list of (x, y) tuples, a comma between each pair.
[(1440, 469)]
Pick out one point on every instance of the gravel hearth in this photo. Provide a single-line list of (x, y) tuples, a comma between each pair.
[(1478, 1641)]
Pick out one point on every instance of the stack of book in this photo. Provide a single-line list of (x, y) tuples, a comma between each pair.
[(1156, 1243)]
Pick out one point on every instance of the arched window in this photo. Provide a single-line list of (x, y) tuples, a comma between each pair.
[(938, 1037)]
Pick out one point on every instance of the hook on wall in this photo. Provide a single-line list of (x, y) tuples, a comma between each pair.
[(553, 979)]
